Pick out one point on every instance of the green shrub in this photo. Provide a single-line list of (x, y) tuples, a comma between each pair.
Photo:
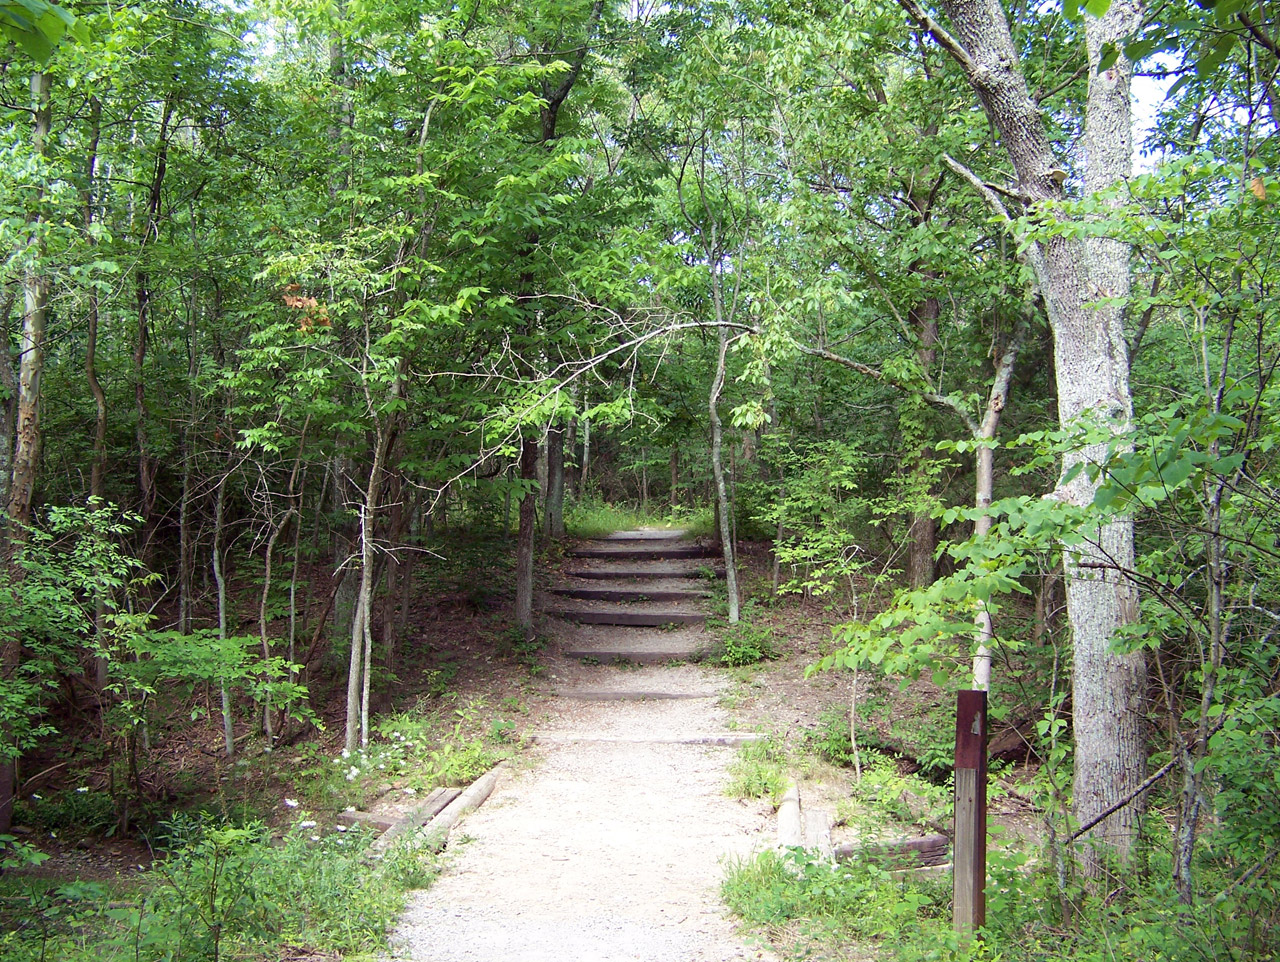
[(82, 810), (830, 901), (746, 644), (758, 771), (228, 892), (830, 740)]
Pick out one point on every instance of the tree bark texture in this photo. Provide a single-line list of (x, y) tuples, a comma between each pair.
[(524, 540), (26, 455), (717, 469), (1085, 285), (555, 481)]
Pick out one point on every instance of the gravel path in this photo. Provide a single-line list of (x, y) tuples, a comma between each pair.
[(599, 851)]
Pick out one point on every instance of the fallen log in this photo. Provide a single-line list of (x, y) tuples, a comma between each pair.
[(899, 854), (434, 836)]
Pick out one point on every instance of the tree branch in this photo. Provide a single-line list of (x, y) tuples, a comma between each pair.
[(947, 42)]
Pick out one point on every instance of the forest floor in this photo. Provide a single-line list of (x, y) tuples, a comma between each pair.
[(605, 830)]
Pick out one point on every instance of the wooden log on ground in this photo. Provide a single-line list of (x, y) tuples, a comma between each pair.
[(631, 594), (900, 853), (374, 823), (418, 816), (435, 834), (790, 829)]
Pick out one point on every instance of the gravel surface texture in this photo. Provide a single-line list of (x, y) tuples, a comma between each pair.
[(600, 851)]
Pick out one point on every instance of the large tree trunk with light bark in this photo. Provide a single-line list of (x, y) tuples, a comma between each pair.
[(26, 455), (1085, 285)]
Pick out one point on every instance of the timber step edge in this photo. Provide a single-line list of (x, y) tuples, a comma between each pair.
[(602, 574), (609, 694), (630, 594), (630, 619), (628, 656), (644, 554)]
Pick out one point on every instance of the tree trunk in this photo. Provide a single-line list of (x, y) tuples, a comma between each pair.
[(9, 412), (1092, 381), (524, 539), (675, 478), (555, 481), (219, 577), (717, 469), (984, 487), (26, 455), (35, 297), (142, 291)]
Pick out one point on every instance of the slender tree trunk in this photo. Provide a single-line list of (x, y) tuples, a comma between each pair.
[(586, 459), (717, 469), (344, 536), (524, 539), (267, 727), (142, 289), (555, 481), (644, 480), (185, 547), (100, 666), (360, 671), (984, 486), (9, 411), (220, 579), (675, 478)]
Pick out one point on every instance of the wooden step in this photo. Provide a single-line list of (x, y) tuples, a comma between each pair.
[(657, 553), (671, 534), (622, 574), (626, 655), (629, 618), (629, 594)]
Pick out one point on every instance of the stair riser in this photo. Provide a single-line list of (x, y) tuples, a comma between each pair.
[(644, 554), (637, 574), (637, 594), (630, 619)]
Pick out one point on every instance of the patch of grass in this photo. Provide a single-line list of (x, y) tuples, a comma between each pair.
[(759, 771), (882, 795), (830, 740), (409, 748), (82, 810), (700, 523), (799, 899), (440, 679), (596, 519), (746, 644)]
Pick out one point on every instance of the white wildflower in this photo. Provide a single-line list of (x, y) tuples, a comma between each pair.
[(291, 803)]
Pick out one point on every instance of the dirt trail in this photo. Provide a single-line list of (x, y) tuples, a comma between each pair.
[(600, 851)]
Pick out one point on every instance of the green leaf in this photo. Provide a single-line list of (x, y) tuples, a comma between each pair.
[(1110, 54)]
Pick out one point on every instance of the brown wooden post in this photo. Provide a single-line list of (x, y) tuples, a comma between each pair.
[(969, 904)]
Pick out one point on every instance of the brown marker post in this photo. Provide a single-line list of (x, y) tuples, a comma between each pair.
[(969, 903)]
